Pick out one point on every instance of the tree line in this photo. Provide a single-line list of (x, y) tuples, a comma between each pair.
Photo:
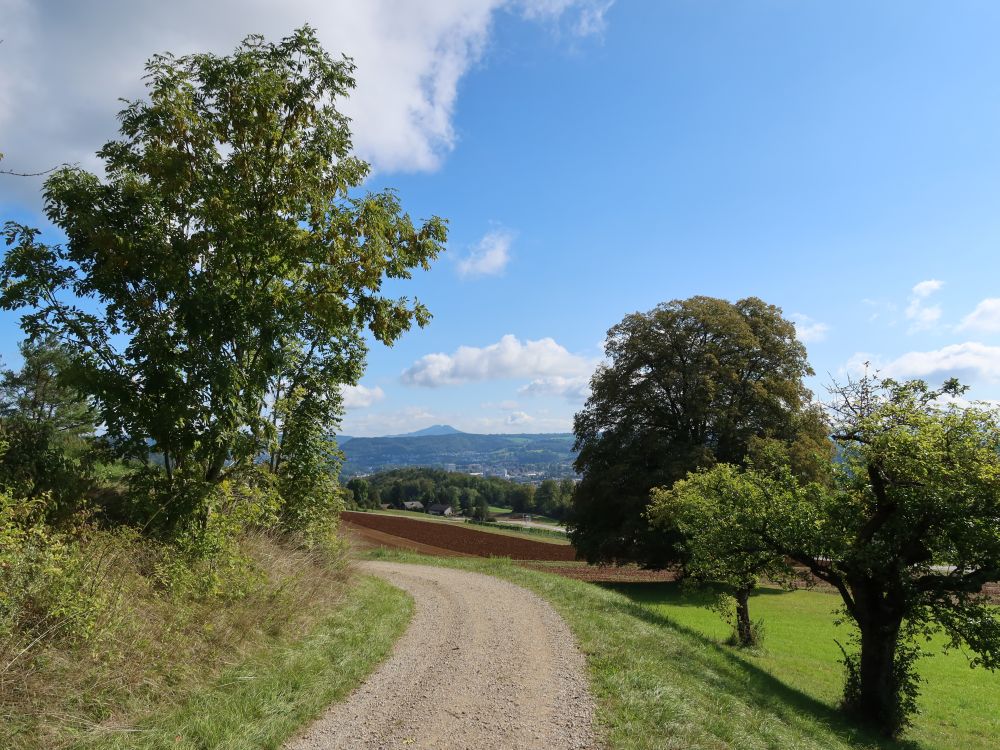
[(468, 494)]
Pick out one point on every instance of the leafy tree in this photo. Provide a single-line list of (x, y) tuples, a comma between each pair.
[(40, 392), (688, 384), (468, 499), (547, 496), (453, 498), (360, 490), (719, 545), (45, 427), (223, 262), (481, 510), (522, 498), (566, 488), (908, 532)]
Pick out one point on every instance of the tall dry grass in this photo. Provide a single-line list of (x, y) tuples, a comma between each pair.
[(149, 646)]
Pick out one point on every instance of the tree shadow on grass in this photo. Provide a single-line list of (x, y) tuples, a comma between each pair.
[(744, 680), (681, 594)]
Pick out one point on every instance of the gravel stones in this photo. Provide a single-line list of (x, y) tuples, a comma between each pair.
[(484, 665)]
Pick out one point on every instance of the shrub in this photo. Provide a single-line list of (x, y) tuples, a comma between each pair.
[(46, 589)]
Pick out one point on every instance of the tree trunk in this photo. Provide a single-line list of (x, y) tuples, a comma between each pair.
[(214, 472), (878, 694), (744, 629)]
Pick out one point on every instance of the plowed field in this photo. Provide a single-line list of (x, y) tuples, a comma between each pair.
[(460, 539)]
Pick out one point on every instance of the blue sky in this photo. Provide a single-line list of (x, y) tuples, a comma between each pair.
[(840, 160)]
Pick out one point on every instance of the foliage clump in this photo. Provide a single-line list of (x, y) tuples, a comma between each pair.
[(218, 282), (687, 385), (907, 531)]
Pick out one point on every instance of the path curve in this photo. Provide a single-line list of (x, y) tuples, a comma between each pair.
[(484, 665)]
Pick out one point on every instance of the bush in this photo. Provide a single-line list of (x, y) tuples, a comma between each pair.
[(46, 589), (35, 464), (204, 557)]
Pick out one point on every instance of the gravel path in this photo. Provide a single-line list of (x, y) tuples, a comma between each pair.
[(484, 665)]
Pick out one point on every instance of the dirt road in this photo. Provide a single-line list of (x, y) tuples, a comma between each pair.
[(485, 665)]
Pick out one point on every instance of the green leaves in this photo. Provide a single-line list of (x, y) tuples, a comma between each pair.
[(690, 383), (225, 260), (906, 528)]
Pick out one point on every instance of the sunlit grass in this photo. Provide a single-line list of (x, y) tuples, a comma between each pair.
[(268, 697), (663, 677), (959, 706)]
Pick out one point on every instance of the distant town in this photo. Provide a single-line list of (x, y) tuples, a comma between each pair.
[(525, 458)]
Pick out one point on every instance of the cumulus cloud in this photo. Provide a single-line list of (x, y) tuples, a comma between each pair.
[(489, 257), (64, 64), (969, 362), (809, 330), (927, 288), (572, 389), (922, 315), (506, 359), (985, 318), (518, 418), (359, 396)]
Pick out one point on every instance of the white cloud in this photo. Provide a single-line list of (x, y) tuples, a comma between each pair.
[(572, 388), (926, 288), (969, 362), (359, 396), (923, 316), (64, 65), (508, 358), (590, 20), (809, 330), (859, 363), (985, 318), (489, 257), (518, 418)]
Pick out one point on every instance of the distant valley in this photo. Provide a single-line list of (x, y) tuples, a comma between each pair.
[(527, 457)]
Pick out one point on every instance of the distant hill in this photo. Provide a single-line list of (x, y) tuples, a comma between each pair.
[(546, 455), (434, 429)]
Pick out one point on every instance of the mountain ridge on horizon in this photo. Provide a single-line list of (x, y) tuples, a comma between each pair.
[(544, 455), (434, 429)]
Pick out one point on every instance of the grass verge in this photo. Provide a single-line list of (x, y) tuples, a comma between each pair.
[(270, 696), (663, 679), (283, 632)]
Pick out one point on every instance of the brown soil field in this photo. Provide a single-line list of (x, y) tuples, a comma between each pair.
[(458, 539), (368, 530), (581, 571), (365, 538)]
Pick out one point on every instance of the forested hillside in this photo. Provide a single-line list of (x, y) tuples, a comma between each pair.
[(465, 493), (549, 455)]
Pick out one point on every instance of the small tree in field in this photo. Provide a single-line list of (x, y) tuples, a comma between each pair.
[(908, 533), (707, 509)]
